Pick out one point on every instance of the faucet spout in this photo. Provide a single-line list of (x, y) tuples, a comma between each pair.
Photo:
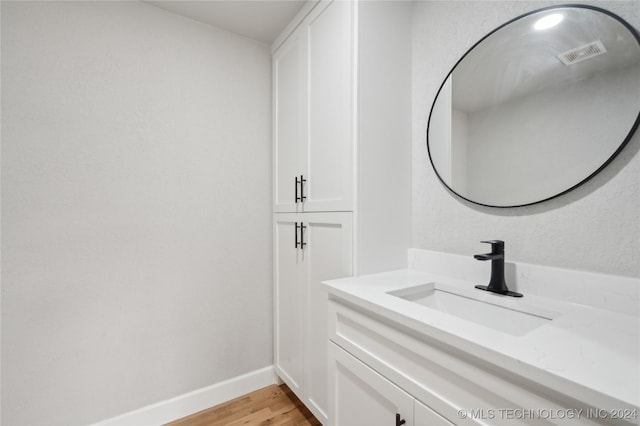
[(489, 256), (497, 283)]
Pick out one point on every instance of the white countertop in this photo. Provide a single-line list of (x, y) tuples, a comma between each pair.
[(590, 354)]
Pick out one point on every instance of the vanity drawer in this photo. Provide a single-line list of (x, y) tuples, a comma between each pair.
[(454, 384)]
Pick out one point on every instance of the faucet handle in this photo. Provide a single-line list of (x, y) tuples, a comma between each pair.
[(497, 246)]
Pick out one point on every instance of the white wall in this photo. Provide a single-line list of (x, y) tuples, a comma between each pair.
[(594, 228), (384, 132), (136, 243)]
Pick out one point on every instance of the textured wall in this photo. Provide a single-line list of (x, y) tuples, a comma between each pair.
[(595, 227), (136, 206)]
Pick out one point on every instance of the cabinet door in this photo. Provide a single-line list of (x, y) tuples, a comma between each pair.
[(289, 299), (290, 119), (425, 416), (327, 255), (329, 153), (362, 397)]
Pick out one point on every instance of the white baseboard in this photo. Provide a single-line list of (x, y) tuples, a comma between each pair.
[(198, 400)]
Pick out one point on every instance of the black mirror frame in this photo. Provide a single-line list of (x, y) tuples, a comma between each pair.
[(634, 127)]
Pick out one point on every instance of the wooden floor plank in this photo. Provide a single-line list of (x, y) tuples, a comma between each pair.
[(230, 411), (273, 405)]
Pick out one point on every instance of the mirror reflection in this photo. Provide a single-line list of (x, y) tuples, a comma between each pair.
[(537, 107)]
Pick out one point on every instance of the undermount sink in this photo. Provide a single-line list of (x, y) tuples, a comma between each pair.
[(512, 316)]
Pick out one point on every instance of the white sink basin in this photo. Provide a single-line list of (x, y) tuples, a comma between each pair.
[(501, 313)]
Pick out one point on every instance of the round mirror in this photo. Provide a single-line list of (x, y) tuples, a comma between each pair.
[(537, 107)]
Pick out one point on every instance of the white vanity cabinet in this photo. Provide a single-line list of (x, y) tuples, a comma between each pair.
[(392, 369), (309, 248)]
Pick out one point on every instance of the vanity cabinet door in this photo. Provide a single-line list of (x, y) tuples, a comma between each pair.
[(425, 416), (362, 397)]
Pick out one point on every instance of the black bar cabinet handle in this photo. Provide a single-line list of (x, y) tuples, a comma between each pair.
[(297, 198), (296, 235), (302, 228), (302, 181), (399, 421)]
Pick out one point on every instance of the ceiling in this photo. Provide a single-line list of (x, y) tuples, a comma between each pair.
[(260, 20)]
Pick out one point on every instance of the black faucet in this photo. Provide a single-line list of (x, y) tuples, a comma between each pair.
[(497, 283)]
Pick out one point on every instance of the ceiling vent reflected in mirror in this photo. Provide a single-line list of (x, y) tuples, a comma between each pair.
[(582, 53)]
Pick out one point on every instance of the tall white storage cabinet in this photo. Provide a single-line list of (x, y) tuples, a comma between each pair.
[(313, 72), (342, 165)]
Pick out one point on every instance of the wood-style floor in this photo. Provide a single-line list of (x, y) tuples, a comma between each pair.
[(273, 405)]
